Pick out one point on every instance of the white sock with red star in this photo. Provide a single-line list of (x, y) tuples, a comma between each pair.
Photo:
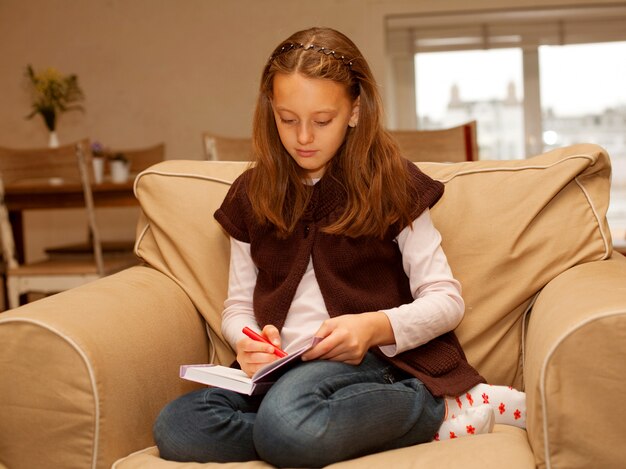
[(472, 421), (508, 404)]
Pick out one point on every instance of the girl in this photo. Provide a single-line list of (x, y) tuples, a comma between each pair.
[(330, 237)]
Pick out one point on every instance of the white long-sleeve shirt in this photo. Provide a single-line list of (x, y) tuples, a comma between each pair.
[(437, 307)]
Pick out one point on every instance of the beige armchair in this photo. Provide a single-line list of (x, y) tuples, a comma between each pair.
[(84, 373)]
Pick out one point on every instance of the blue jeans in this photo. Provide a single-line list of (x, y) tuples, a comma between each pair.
[(318, 413)]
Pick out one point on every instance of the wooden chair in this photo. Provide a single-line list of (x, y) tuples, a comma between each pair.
[(143, 158), (139, 159), (69, 164), (226, 148), (445, 145)]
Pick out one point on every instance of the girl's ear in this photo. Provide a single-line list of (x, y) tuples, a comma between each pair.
[(354, 116)]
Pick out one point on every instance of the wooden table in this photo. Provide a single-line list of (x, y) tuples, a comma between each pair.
[(40, 196)]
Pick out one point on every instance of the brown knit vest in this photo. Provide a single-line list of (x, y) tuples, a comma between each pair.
[(355, 275)]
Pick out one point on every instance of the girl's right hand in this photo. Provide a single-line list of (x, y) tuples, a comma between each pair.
[(252, 354)]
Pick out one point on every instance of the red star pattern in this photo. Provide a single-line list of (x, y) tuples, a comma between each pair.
[(502, 408), (471, 430), (517, 414), (485, 398), (452, 435), (469, 398)]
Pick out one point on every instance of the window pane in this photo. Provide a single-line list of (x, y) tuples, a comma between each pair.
[(583, 96), (483, 85)]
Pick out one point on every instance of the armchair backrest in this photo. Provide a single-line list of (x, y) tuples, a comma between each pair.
[(508, 228)]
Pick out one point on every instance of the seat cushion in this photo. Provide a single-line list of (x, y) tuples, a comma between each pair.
[(508, 228), (505, 446)]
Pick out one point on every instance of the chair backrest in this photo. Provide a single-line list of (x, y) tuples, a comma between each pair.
[(454, 144), (68, 164), (142, 158), (218, 148), (45, 165)]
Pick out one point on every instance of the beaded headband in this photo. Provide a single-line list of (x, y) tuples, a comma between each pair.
[(289, 46)]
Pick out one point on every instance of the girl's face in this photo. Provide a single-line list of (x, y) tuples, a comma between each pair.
[(312, 116)]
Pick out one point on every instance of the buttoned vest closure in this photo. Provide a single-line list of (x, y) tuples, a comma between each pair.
[(355, 275)]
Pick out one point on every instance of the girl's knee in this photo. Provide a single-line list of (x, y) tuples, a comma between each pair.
[(286, 446), (167, 421), (177, 432), (167, 435), (294, 438)]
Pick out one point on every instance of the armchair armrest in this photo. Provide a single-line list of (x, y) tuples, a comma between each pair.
[(574, 368), (83, 373)]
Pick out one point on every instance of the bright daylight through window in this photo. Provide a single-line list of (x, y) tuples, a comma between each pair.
[(588, 104), (483, 85), (582, 98)]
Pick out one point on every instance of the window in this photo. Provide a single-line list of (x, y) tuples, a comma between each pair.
[(483, 85), (597, 115), (532, 79)]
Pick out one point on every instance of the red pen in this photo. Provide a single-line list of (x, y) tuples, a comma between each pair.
[(254, 336)]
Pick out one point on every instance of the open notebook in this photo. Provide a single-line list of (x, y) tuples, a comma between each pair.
[(236, 380)]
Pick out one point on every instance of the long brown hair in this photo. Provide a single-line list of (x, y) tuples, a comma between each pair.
[(368, 164)]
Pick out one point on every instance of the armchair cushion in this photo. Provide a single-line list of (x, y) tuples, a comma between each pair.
[(508, 228)]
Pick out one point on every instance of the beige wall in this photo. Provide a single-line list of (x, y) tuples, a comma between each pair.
[(152, 70), (167, 70)]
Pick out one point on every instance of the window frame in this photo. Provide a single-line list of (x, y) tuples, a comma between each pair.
[(528, 29)]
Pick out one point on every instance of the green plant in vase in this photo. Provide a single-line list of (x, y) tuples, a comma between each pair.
[(52, 94)]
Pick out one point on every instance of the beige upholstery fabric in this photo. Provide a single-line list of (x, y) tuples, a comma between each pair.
[(508, 228), (472, 453), (180, 237), (576, 354), (84, 373)]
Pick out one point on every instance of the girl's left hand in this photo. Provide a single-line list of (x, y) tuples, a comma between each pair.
[(347, 338)]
